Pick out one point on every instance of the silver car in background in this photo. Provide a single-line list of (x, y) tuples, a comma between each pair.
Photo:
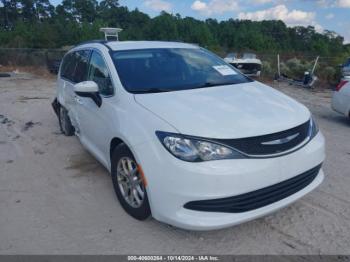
[(341, 97)]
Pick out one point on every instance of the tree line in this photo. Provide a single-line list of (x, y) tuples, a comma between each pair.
[(39, 24)]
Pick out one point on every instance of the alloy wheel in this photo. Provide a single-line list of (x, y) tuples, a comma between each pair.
[(130, 182)]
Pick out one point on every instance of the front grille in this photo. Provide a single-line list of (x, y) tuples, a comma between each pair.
[(256, 199), (255, 145)]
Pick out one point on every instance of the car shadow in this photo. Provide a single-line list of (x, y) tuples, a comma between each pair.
[(338, 119)]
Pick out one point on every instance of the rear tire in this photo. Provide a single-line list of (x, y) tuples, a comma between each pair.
[(129, 186), (65, 122)]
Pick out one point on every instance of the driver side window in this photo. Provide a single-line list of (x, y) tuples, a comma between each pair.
[(98, 72)]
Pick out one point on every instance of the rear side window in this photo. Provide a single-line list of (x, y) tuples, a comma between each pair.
[(75, 66), (99, 73)]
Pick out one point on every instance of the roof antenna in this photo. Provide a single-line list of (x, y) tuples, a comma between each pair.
[(111, 33)]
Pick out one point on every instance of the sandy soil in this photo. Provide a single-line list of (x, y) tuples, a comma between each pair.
[(56, 199)]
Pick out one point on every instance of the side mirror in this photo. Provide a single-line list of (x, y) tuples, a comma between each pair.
[(88, 89)]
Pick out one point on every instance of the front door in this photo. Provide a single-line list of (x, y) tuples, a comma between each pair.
[(92, 118)]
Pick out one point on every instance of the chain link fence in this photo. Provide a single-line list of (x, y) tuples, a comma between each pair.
[(48, 59)]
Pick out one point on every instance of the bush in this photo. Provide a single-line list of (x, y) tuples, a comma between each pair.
[(267, 69), (297, 68), (328, 73), (285, 69)]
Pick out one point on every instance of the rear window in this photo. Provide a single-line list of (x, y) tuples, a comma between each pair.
[(167, 69)]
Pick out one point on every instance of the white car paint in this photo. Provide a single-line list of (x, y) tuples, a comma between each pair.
[(254, 104), (341, 99), (86, 86), (225, 112)]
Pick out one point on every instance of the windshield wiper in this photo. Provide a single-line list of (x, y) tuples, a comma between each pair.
[(211, 84), (150, 90), (160, 90)]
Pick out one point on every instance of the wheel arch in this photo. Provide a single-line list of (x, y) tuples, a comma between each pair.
[(116, 141)]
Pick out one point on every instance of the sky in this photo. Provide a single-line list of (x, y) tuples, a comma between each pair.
[(322, 14)]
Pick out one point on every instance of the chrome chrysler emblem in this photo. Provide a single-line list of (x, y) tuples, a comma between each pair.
[(282, 140)]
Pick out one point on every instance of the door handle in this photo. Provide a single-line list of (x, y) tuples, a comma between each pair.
[(78, 100)]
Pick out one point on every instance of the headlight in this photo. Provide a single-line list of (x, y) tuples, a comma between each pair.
[(313, 128), (195, 150)]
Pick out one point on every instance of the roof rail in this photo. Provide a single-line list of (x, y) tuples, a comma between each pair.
[(92, 42), (111, 32), (102, 42)]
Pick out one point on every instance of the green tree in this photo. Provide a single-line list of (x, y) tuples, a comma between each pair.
[(36, 23)]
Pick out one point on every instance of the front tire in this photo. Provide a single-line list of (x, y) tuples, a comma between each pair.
[(128, 183)]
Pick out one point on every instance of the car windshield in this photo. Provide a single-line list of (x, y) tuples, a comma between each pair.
[(173, 69)]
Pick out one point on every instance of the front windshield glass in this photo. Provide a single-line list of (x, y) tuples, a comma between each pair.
[(166, 69)]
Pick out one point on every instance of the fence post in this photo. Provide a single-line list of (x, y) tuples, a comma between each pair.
[(313, 69), (278, 65)]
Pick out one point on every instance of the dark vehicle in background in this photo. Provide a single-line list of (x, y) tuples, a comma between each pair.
[(53, 65), (54, 58)]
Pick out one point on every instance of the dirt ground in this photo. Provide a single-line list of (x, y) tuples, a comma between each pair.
[(55, 198)]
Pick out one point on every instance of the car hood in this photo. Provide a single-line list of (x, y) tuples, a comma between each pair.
[(231, 111)]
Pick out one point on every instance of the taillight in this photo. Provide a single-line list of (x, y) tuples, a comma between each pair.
[(340, 85)]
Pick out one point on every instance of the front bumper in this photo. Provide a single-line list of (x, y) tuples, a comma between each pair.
[(172, 183)]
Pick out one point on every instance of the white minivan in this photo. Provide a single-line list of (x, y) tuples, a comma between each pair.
[(187, 138)]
